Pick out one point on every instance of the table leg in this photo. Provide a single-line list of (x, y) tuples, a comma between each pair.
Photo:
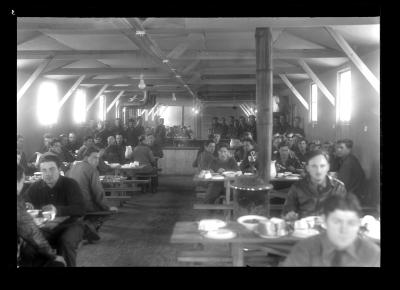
[(228, 197), (237, 255)]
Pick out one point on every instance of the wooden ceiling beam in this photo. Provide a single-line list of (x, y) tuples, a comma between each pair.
[(106, 71), (191, 66), (97, 96), (233, 81), (114, 101), (248, 70), (356, 60), (294, 91), (189, 55), (32, 78), (70, 91), (316, 80)]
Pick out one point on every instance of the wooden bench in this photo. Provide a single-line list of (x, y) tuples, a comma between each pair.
[(121, 199), (204, 257)]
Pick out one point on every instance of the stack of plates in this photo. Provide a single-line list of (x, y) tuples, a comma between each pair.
[(220, 234)]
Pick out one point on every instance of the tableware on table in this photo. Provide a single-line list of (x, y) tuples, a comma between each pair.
[(250, 222), (279, 175), (34, 212), (217, 177), (37, 174), (304, 233), (301, 225), (49, 215), (371, 227), (207, 175), (220, 234), (211, 224), (274, 227), (312, 221)]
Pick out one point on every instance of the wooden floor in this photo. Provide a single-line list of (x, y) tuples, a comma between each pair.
[(139, 234)]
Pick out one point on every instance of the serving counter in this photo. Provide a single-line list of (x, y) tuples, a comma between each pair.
[(178, 160)]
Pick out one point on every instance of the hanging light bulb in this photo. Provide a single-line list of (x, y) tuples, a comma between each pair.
[(142, 85)]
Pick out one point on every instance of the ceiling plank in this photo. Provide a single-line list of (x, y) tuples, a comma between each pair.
[(114, 101), (248, 70), (129, 81), (103, 88), (182, 47), (250, 54), (294, 91), (70, 91), (31, 35), (352, 55), (320, 84), (232, 81), (106, 71), (32, 78), (189, 55)]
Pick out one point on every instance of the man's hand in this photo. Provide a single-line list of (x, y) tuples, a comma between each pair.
[(221, 170), (51, 208), (60, 259), (28, 205), (113, 209)]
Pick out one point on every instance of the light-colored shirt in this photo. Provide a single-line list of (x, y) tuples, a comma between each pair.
[(88, 179), (318, 251)]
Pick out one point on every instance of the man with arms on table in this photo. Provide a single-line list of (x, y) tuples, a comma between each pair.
[(340, 245), (86, 174), (305, 196), (62, 196), (223, 163)]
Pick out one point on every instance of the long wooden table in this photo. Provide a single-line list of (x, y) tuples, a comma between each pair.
[(188, 233)]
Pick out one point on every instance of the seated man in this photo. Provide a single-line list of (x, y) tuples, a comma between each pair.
[(301, 152), (349, 169), (206, 157), (143, 154), (62, 196), (154, 145), (340, 245), (249, 162), (86, 174), (287, 162), (223, 163), (305, 195), (32, 247), (88, 142), (112, 153)]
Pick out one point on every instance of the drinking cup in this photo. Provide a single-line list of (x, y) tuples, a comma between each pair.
[(300, 225)]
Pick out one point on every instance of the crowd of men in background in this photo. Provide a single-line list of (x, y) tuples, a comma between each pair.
[(290, 150)]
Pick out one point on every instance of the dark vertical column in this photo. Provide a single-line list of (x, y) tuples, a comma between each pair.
[(264, 87)]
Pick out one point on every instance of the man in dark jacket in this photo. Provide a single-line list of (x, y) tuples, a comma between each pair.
[(305, 196), (32, 247), (350, 171), (63, 198)]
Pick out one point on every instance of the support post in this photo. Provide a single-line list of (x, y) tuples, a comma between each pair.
[(264, 86)]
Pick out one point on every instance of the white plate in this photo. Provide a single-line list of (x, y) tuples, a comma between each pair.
[(305, 234), (265, 236), (220, 234), (211, 224), (228, 172), (251, 226)]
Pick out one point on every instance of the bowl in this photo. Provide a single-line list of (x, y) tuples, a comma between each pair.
[(250, 222)]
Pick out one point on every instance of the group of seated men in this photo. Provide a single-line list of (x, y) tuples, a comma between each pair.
[(72, 196), (290, 153)]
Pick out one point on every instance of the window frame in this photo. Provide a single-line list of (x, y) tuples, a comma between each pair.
[(338, 98), (311, 103)]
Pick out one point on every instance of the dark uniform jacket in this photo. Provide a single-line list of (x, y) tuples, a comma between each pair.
[(305, 199)]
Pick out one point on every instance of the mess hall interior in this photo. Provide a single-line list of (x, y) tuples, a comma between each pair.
[(176, 142)]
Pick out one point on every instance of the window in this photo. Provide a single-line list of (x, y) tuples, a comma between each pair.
[(314, 103), (344, 95), (80, 106), (47, 103), (102, 108)]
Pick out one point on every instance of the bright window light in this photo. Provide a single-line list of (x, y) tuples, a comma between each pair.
[(344, 103), (314, 103), (102, 105), (80, 106), (47, 103)]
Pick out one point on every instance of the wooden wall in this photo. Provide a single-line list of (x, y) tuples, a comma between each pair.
[(364, 128)]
